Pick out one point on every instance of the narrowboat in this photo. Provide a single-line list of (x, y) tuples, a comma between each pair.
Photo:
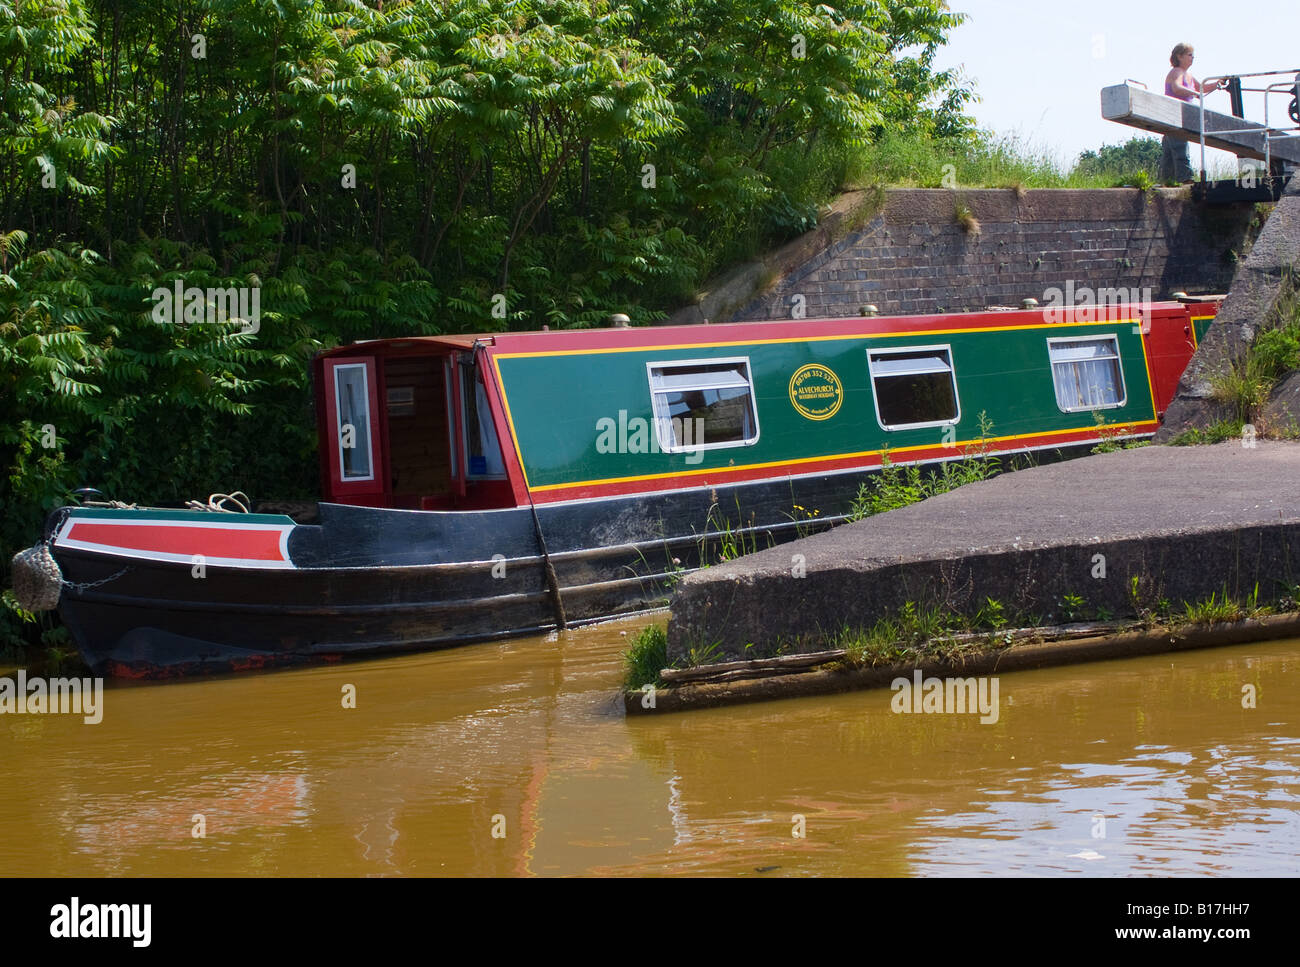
[(476, 487)]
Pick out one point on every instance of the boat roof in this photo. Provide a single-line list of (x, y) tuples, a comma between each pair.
[(769, 330)]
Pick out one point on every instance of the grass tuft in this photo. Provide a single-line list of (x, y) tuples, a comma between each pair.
[(646, 657), (967, 220), (1218, 433)]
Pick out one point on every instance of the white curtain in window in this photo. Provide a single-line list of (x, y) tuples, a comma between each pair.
[(1087, 383), (1086, 373)]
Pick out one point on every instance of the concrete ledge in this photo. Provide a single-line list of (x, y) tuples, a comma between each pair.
[(1185, 522), (1160, 114)]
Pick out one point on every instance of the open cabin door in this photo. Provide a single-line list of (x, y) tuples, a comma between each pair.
[(421, 438), (354, 445), (440, 438)]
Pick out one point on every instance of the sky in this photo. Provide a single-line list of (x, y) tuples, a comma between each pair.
[(1039, 67)]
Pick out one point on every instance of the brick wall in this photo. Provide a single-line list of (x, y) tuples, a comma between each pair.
[(913, 256)]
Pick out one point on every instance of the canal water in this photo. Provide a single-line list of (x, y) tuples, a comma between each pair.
[(516, 759)]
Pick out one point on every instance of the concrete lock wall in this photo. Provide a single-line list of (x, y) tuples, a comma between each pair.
[(905, 251), (1185, 522)]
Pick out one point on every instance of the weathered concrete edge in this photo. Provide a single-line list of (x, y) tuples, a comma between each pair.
[(719, 608), (1016, 658), (1252, 297)]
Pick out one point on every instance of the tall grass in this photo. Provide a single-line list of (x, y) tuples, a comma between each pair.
[(897, 486), (916, 160)]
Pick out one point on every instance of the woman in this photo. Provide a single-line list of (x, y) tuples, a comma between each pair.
[(1175, 164)]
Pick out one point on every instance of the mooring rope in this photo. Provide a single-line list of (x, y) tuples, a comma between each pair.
[(217, 503)]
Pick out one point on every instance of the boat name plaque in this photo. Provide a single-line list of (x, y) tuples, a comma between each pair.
[(816, 392)]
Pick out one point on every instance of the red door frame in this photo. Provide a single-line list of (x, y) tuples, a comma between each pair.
[(374, 489)]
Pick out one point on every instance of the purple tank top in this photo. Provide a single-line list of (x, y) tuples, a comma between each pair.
[(1171, 92)]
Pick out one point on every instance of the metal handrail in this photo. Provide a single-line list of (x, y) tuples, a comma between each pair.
[(1269, 133), (1291, 70)]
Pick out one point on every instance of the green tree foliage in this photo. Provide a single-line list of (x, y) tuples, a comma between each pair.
[(1138, 154), (381, 169)]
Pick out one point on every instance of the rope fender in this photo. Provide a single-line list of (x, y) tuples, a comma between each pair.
[(37, 580)]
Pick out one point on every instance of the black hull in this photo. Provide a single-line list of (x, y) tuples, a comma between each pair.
[(375, 581)]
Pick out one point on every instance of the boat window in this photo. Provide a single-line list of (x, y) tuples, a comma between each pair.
[(914, 386), (352, 403), (703, 404), (483, 452), (1086, 373)]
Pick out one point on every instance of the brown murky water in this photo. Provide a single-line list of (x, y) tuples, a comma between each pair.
[(524, 737)]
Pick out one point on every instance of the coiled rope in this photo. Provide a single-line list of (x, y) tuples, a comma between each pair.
[(217, 503)]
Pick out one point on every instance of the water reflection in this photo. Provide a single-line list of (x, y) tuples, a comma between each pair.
[(514, 759)]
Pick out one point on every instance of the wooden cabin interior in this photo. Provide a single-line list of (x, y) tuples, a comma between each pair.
[(408, 425)]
